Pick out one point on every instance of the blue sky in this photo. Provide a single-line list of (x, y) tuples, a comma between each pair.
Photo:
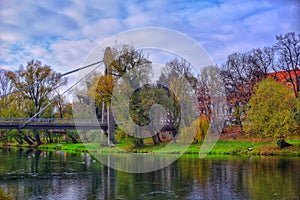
[(62, 33)]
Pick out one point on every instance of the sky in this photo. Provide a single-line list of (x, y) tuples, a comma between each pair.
[(62, 33)]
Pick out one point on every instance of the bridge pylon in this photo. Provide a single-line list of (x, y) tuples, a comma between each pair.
[(107, 114)]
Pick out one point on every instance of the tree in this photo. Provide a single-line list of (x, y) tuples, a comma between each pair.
[(7, 102), (203, 97), (128, 70), (177, 76), (39, 82), (62, 108), (200, 125), (288, 51), (263, 60), (181, 68), (5, 86), (210, 93), (202, 130), (11, 106), (270, 113), (145, 112), (126, 58), (241, 72)]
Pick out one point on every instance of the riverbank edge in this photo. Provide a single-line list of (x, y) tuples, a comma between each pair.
[(222, 147)]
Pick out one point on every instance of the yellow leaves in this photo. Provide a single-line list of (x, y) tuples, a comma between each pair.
[(177, 87), (271, 110), (101, 89), (203, 125), (196, 131)]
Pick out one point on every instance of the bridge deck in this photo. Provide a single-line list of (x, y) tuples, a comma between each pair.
[(52, 123), (59, 124)]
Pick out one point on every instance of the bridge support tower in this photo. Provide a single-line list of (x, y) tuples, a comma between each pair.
[(106, 106)]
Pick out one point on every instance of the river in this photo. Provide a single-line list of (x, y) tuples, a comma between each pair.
[(27, 174)]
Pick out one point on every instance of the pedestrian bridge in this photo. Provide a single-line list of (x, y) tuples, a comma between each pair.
[(60, 124), (52, 123)]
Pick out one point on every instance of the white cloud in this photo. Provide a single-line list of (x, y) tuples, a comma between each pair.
[(138, 20), (102, 29), (70, 54), (7, 67), (62, 33), (32, 20)]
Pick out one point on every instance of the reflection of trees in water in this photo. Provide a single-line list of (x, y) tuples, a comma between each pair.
[(274, 177), (65, 175)]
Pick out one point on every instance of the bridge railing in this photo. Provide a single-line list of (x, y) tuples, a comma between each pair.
[(52, 120)]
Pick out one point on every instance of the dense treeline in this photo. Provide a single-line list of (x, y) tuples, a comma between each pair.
[(241, 75)]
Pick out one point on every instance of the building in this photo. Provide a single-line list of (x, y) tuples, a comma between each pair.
[(290, 78)]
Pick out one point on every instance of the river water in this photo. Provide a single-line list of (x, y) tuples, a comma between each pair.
[(25, 174)]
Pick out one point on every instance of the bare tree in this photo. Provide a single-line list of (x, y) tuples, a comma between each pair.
[(203, 97), (240, 73), (263, 60), (288, 51), (210, 92)]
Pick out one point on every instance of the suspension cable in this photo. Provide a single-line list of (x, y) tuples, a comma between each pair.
[(54, 78), (67, 90)]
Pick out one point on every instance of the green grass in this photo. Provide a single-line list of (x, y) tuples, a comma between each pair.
[(222, 147), (68, 147), (259, 148)]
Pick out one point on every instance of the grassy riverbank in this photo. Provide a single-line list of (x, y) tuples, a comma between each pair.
[(222, 147)]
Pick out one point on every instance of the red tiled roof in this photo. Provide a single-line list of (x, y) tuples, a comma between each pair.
[(282, 76)]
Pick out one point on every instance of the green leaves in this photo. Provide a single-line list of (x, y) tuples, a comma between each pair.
[(142, 100), (270, 111)]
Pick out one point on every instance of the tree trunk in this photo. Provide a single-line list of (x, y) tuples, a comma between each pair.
[(138, 142), (56, 138), (50, 140), (19, 140), (31, 138), (37, 137), (156, 139), (74, 141), (159, 140), (174, 133), (27, 140)]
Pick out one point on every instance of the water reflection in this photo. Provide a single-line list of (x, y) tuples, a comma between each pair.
[(137, 163), (26, 174)]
